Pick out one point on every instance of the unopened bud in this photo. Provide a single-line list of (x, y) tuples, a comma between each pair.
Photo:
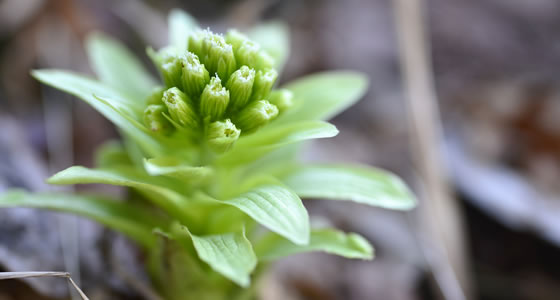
[(247, 53), (194, 75), (195, 42), (167, 62), (171, 72), (255, 115), (221, 135), (163, 55), (155, 96), (214, 100), (264, 61), (219, 57), (264, 80), (154, 119), (235, 39), (180, 108), (282, 98), (240, 86)]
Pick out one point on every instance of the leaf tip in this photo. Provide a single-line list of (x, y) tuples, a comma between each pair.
[(38, 74), (54, 179), (333, 131), (362, 245)]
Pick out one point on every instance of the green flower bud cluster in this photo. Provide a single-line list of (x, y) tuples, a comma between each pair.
[(218, 89)]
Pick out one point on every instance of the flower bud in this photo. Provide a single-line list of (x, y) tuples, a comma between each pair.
[(180, 108), (255, 115), (214, 100), (282, 98), (221, 135), (219, 56), (247, 53), (154, 119), (240, 86), (235, 39), (163, 55), (195, 43), (167, 62), (171, 72), (264, 80), (155, 96), (264, 61), (194, 75)]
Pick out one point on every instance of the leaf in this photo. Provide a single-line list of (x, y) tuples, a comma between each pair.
[(277, 208), (86, 88), (116, 66), (129, 219), (112, 153), (331, 241), (364, 185), (158, 144), (229, 254), (274, 38), (172, 167), (268, 139), (98, 95), (322, 96), (158, 190), (181, 25)]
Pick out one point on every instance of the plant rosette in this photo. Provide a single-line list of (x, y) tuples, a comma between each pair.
[(211, 154)]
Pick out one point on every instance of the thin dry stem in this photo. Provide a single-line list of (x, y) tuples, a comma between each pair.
[(22, 275), (439, 212)]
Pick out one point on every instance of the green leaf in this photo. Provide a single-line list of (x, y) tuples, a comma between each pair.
[(364, 185), (277, 208), (181, 25), (229, 254), (112, 153), (322, 96), (172, 167), (274, 38), (131, 220), (268, 139), (110, 103), (116, 66), (87, 88), (331, 241), (158, 190)]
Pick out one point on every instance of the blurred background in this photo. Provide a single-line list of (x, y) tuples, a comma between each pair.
[(488, 226)]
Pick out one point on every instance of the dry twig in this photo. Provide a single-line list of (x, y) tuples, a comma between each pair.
[(439, 213), (21, 275)]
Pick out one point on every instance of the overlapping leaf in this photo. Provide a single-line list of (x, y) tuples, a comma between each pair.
[(322, 96), (330, 241), (112, 154), (93, 92), (173, 167), (274, 38), (364, 185), (158, 190), (133, 221), (277, 208), (181, 25), (229, 254), (117, 67), (254, 146)]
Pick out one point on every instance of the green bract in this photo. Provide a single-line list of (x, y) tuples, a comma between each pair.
[(211, 153)]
